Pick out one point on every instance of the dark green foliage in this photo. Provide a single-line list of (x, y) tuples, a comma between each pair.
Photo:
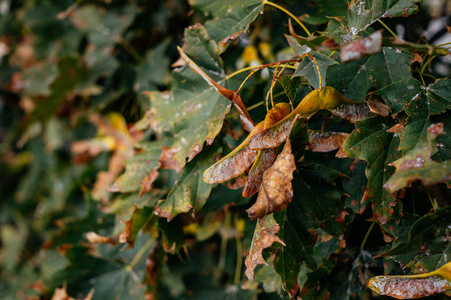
[(105, 136)]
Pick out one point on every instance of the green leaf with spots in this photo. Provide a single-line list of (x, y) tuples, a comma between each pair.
[(418, 165), (142, 168), (189, 192), (194, 111), (355, 78), (435, 99), (371, 142), (307, 67), (229, 18), (423, 231), (400, 94), (362, 14)]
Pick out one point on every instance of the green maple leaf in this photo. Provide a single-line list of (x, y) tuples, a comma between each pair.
[(230, 18), (193, 110), (371, 142), (417, 164), (353, 79), (189, 192)]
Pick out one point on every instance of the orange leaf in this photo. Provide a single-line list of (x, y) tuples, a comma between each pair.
[(325, 142)]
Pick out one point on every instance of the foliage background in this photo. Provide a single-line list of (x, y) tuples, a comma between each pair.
[(73, 113)]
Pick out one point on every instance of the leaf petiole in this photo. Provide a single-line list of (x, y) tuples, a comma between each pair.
[(288, 13), (388, 28)]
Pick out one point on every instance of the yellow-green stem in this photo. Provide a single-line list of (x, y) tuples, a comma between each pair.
[(239, 254), (288, 13), (362, 246), (140, 254), (388, 28)]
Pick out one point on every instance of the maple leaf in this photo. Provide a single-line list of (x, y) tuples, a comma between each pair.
[(417, 164), (264, 236)]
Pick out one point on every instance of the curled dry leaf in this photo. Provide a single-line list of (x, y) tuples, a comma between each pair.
[(239, 160), (353, 112), (61, 294), (361, 48), (413, 286), (95, 238), (326, 98), (325, 142), (264, 236), (235, 163), (265, 157), (264, 160), (378, 107), (276, 190)]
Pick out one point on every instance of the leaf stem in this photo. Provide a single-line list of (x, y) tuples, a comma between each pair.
[(362, 246), (140, 254), (441, 45), (239, 253), (288, 13), (388, 28)]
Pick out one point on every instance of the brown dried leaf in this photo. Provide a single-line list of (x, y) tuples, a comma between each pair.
[(61, 294), (95, 238), (276, 190), (265, 157), (146, 183), (378, 107), (235, 163), (264, 236), (152, 267), (360, 48), (264, 160), (353, 112), (325, 142), (413, 286)]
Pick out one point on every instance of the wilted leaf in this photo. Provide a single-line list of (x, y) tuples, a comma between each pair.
[(326, 98), (193, 110), (276, 190), (263, 161), (353, 112), (418, 165), (325, 142), (360, 48), (378, 107), (371, 142), (139, 219), (95, 238), (235, 163), (413, 286), (264, 236), (61, 294), (265, 157)]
